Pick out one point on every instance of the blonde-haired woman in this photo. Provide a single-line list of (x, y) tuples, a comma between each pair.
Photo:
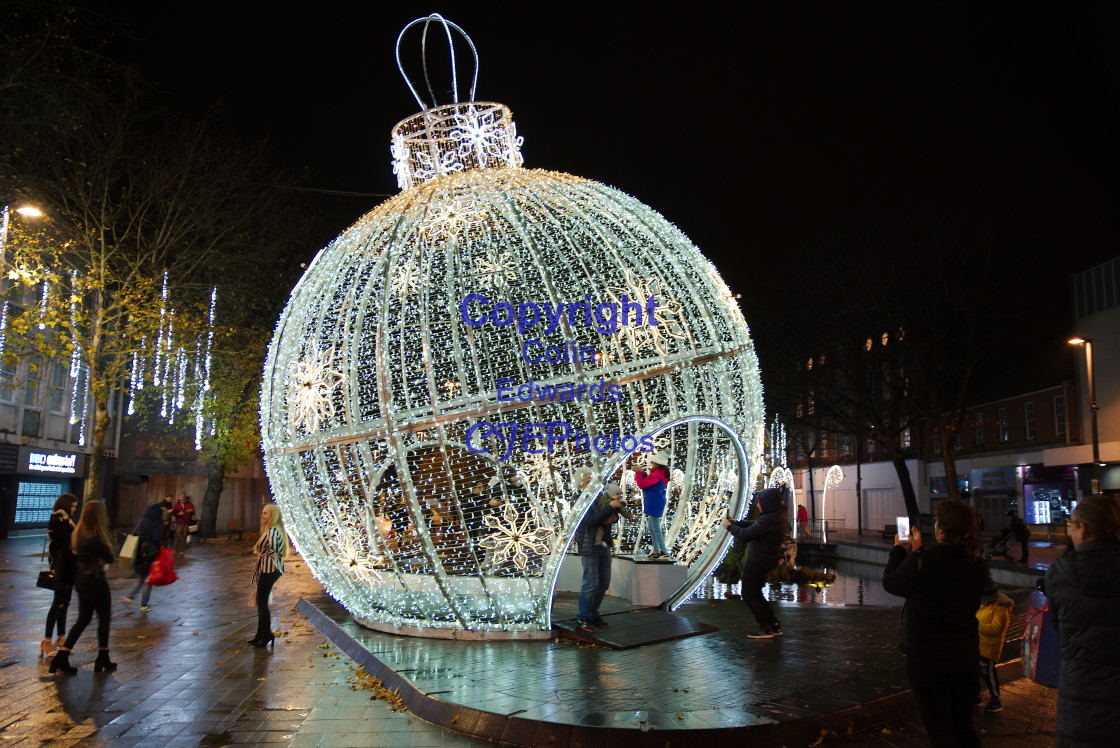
[(92, 550), (272, 548)]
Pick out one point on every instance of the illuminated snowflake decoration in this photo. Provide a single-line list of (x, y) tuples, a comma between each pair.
[(311, 390), (450, 217), (479, 134), (408, 278), (401, 167), (495, 270), (542, 472), (512, 540), (354, 560), (667, 314)]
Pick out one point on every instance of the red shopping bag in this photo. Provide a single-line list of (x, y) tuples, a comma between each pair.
[(163, 569)]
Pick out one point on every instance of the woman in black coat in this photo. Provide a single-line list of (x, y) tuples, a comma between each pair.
[(93, 550), (1083, 591), (62, 564), (940, 635), (149, 532), (764, 536)]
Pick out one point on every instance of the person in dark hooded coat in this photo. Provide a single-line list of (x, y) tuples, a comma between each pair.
[(764, 538), (149, 533), (1083, 592)]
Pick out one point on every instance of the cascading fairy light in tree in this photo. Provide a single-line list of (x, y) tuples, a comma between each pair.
[(448, 362)]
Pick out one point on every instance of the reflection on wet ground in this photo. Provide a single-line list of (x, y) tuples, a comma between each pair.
[(856, 583)]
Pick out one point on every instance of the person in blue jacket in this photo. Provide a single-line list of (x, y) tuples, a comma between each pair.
[(764, 538), (653, 485), (1083, 592), (149, 533), (593, 539)]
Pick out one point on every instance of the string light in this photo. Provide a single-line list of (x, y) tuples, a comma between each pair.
[(373, 379)]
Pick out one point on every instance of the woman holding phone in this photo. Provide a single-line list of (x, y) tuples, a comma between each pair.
[(940, 635)]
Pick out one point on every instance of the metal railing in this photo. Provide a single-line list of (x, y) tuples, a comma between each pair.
[(822, 530)]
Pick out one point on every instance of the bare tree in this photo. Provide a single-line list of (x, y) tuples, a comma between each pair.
[(131, 198)]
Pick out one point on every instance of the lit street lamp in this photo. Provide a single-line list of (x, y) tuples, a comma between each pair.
[(30, 211), (1088, 345)]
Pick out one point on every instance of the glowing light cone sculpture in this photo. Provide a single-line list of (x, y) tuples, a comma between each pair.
[(374, 379)]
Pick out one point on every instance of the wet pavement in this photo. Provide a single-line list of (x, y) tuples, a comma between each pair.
[(187, 677)]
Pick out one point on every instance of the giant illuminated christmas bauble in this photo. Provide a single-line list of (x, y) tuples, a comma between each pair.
[(398, 396)]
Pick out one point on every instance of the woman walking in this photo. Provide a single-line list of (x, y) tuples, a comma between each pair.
[(272, 548), (92, 550), (940, 634), (59, 529), (148, 534), (1083, 590)]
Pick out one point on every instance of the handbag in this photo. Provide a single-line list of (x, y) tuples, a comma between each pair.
[(163, 569), (47, 580)]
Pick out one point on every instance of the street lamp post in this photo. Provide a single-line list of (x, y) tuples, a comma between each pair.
[(1087, 343)]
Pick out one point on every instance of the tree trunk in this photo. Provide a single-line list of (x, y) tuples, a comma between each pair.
[(949, 460), (903, 472), (101, 423), (215, 482)]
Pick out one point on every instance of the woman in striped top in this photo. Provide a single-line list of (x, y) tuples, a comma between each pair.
[(272, 548)]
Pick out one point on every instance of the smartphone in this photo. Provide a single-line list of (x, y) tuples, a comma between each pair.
[(903, 528)]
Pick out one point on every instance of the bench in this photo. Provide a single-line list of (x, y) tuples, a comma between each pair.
[(233, 526)]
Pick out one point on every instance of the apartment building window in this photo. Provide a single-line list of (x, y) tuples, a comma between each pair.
[(1060, 415), (957, 442), (937, 444), (845, 446), (812, 405), (906, 438), (31, 386), (978, 428), (7, 381), (1004, 436), (57, 388), (1028, 416)]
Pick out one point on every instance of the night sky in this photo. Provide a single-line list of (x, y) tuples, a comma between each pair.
[(759, 132)]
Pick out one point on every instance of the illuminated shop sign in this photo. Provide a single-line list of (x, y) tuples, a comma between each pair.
[(50, 462), (37, 462)]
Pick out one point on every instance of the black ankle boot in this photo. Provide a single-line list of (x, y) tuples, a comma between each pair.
[(61, 663), (102, 662)]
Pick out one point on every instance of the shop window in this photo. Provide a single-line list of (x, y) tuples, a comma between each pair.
[(1004, 432), (978, 428), (1060, 415), (1028, 416), (35, 501)]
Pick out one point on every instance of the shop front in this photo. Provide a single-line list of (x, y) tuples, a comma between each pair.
[(31, 479), (1049, 493)]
